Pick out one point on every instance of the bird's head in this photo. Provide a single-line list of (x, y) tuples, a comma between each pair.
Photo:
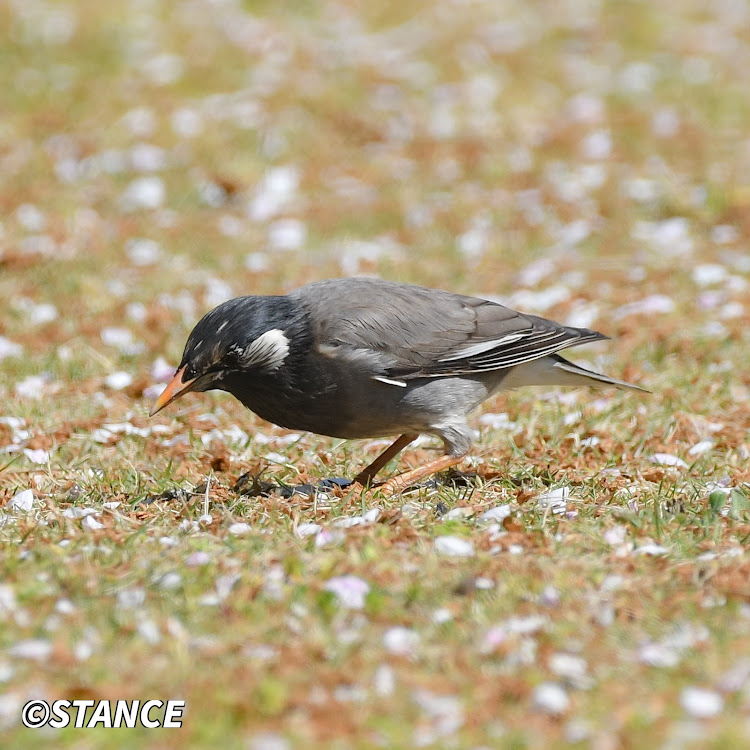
[(244, 335)]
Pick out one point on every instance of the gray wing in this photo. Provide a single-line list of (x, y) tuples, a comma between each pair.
[(402, 332)]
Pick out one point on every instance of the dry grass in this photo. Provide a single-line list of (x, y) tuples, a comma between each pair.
[(585, 161)]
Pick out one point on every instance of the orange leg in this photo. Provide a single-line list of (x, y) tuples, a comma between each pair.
[(368, 473), (402, 481)]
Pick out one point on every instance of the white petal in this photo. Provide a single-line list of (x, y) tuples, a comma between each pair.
[(351, 591), (238, 529), (34, 648), (454, 546), (701, 703), (667, 459), (22, 501), (551, 698), (90, 523), (400, 640)]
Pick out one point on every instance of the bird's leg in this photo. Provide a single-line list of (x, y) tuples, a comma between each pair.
[(402, 481), (368, 473)]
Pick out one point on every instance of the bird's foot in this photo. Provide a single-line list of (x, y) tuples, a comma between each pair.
[(408, 478), (451, 478), (309, 490), (253, 486)]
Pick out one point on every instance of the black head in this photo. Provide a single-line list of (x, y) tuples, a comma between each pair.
[(247, 334)]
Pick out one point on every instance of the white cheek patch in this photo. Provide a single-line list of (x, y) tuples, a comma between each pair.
[(267, 352)]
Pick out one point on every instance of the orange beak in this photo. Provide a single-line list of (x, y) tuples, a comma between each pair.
[(176, 387)]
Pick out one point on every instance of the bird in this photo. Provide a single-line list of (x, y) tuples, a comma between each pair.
[(368, 358)]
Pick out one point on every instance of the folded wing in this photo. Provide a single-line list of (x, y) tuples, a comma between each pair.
[(413, 332)]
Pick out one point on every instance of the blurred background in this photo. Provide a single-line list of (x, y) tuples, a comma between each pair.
[(584, 160)]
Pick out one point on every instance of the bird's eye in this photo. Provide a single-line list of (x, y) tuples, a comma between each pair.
[(232, 357)]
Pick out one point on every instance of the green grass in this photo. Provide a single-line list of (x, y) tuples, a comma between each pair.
[(416, 130)]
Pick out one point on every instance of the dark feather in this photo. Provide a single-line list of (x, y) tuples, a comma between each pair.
[(405, 332)]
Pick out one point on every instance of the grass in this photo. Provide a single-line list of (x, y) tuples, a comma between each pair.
[(585, 162)]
